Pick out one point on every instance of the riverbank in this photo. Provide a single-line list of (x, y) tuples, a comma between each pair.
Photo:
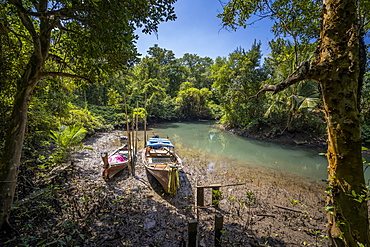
[(295, 138), (80, 208)]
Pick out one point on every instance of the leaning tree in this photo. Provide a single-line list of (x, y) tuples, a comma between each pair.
[(79, 39), (339, 70)]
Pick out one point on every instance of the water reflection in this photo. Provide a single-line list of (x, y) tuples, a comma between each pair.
[(247, 152)]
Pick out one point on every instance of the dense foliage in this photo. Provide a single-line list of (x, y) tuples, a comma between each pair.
[(188, 88), (41, 40)]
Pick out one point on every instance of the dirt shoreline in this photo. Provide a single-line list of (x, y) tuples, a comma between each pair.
[(269, 208), (301, 139)]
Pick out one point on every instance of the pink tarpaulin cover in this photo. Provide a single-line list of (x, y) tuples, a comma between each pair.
[(116, 159)]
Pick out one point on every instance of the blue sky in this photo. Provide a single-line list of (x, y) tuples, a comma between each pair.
[(198, 31)]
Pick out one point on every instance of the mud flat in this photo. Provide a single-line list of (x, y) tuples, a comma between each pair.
[(260, 207)]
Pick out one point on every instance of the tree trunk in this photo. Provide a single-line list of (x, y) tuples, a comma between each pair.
[(339, 70), (10, 159), (340, 75), (11, 156)]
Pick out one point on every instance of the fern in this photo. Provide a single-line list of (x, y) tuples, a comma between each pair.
[(68, 140)]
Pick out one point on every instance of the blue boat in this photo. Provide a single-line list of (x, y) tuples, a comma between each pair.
[(160, 159)]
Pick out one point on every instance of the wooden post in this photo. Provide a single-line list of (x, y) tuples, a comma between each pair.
[(133, 143), (136, 138), (219, 220), (137, 126), (192, 233), (145, 132), (133, 165), (200, 196), (130, 158), (104, 156)]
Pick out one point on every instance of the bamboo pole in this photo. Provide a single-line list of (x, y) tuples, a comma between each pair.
[(133, 143), (137, 126), (136, 136), (129, 138), (145, 131)]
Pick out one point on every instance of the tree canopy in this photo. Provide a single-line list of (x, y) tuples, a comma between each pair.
[(83, 40)]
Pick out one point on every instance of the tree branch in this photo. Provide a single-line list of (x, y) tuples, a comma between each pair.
[(61, 74), (294, 78), (61, 27), (24, 18), (58, 60), (61, 13)]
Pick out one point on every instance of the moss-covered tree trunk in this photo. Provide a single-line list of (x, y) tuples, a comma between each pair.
[(11, 156), (338, 70), (10, 159)]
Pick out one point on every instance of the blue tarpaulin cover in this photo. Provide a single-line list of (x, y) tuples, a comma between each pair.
[(159, 142)]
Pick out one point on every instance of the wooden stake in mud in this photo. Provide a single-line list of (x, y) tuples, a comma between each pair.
[(144, 131), (133, 144), (219, 221), (192, 233), (137, 126), (129, 138), (200, 196)]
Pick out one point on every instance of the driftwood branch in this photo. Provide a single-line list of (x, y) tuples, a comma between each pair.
[(300, 74), (266, 215), (219, 185), (29, 197)]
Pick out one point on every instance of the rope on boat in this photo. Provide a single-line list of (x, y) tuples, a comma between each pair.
[(174, 181)]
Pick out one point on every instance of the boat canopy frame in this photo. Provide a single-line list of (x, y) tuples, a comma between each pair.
[(159, 142)]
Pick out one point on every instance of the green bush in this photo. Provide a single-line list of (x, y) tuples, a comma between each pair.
[(84, 117), (112, 117)]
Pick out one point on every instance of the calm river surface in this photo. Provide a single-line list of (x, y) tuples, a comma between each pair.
[(247, 152)]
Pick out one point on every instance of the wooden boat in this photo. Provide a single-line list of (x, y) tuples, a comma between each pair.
[(116, 161), (163, 163)]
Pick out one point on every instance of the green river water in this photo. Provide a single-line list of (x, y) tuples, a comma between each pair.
[(244, 152)]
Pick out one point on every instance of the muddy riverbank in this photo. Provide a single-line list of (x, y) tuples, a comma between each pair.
[(295, 138), (269, 208)]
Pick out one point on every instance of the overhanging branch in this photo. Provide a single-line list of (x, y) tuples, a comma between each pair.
[(61, 74), (297, 76)]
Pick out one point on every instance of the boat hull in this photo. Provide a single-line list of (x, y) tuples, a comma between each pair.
[(110, 172), (164, 168), (111, 168)]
